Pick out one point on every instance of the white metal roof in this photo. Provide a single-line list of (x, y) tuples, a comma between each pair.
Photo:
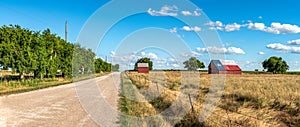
[(143, 65), (227, 62)]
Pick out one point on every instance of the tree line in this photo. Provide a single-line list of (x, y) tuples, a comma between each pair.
[(44, 54), (274, 64)]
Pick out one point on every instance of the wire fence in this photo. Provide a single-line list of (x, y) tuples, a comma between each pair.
[(224, 117)]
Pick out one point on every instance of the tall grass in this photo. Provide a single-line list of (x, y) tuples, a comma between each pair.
[(248, 99), (136, 110)]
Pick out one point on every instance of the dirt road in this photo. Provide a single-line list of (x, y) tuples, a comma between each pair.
[(63, 106)]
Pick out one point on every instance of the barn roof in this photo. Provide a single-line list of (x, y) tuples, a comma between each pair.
[(143, 65), (218, 64), (232, 67), (227, 62), (226, 65)]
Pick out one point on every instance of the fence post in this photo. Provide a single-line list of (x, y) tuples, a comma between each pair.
[(157, 87), (191, 103)]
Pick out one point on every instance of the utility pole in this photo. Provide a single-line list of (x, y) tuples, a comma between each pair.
[(66, 31)]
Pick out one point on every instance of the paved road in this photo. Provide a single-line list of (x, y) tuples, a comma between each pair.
[(72, 105)]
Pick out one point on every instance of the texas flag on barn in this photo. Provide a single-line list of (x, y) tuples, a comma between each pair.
[(223, 67)]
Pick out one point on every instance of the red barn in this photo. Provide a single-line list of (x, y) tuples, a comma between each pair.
[(223, 67), (143, 68)]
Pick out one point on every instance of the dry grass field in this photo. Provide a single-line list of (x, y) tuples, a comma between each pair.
[(247, 99)]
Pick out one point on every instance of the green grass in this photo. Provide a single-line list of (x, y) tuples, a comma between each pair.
[(293, 73), (13, 87), (263, 72)]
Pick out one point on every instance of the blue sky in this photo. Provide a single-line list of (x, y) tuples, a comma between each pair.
[(250, 31)]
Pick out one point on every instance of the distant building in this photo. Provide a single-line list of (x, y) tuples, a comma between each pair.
[(223, 67), (143, 67)]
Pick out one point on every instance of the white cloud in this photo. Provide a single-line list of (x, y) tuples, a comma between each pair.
[(232, 27), (112, 53), (218, 25), (149, 55), (261, 53), (256, 26), (172, 11), (191, 54), (278, 46), (295, 65), (260, 17), (124, 60), (294, 42), (197, 13), (173, 30), (286, 48), (127, 61), (143, 53), (234, 50), (165, 63), (172, 59), (216, 28), (186, 13), (214, 24), (275, 28), (161, 61), (279, 28), (216, 50), (164, 11), (152, 55), (189, 13), (195, 28), (210, 23), (175, 65), (250, 65)]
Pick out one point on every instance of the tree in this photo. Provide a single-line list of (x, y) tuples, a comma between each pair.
[(276, 65), (66, 59), (83, 61), (103, 66), (43, 54), (39, 55), (193, 64), (144, 60), (15, 45), (99, 65), (115, 67)]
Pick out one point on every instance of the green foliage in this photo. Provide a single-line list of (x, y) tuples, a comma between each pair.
[(115, 67), (193, 64), (144, 60), (83, 62), (16, 48), (276, 65), (42, 54), (102, 66)]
